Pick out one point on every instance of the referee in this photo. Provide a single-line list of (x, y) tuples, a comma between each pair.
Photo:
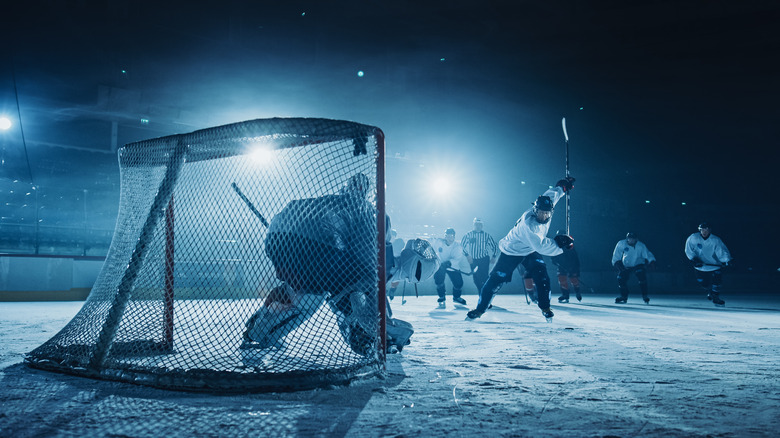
[(481, 251)]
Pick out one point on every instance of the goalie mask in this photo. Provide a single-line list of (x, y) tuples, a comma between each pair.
[(418, 262), (357, 185)]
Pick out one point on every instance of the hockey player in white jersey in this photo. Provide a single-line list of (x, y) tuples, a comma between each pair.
[(631, 257), (709, 255), (526, 243), (452, 257)]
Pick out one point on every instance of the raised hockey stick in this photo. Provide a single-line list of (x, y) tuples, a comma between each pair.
[(568, 211), (249, 204)]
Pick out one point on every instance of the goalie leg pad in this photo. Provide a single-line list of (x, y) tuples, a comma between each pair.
[(276, 319), (357, 318)]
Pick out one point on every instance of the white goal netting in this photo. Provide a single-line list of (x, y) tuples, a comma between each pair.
[(245, 257)]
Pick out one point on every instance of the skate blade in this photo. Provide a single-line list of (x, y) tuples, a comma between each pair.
[(548, 319)]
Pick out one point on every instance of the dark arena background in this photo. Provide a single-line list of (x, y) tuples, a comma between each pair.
[(671, 113)]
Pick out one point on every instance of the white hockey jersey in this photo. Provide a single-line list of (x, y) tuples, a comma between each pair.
[(712, 251), (529, 236), (632, 255), (449, 253)]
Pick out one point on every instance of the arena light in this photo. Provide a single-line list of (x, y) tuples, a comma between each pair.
[(5, 123), (442, 186), (261, 155)]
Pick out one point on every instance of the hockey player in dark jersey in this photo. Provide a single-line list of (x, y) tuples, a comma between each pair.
[(324, 249)]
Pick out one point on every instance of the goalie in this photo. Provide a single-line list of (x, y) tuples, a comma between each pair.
[(324, 249)]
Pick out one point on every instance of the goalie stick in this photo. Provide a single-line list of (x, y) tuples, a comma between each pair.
[(249, 204)]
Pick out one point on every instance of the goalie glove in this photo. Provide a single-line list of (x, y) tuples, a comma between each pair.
[(564, 241), (566, 184)]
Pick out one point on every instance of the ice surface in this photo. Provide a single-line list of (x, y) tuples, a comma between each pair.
[(678, 367)]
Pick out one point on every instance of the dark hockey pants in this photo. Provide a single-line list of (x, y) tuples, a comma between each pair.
[(641, 276), (455, 277), (482, 267), (502, 273), (710, 281)]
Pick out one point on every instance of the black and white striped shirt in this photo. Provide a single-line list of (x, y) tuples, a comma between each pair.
[(479, 244)]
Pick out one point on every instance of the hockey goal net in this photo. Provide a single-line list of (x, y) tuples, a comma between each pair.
[(246, 257)]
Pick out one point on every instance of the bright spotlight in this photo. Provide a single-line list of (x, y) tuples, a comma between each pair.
[(261, 155), (441, 186), (5, 123)]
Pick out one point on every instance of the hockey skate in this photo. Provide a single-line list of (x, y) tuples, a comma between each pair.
[(459, 300), (473, 314), (579, 296), (620, 300), (548, 314), (442, 302), (716, 300), (563, 299), (646, 299)]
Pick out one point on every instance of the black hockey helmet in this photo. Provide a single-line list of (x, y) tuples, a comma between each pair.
[(630, 235), (704, 225), (543, 203), (356, 185), (450, 231)]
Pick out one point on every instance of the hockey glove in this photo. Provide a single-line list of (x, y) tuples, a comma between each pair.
[(563, 241), (446, 265), (620, 266), (566, 184), (697, 263)]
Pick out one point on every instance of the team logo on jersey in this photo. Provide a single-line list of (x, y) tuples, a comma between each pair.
[(699, 245)]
